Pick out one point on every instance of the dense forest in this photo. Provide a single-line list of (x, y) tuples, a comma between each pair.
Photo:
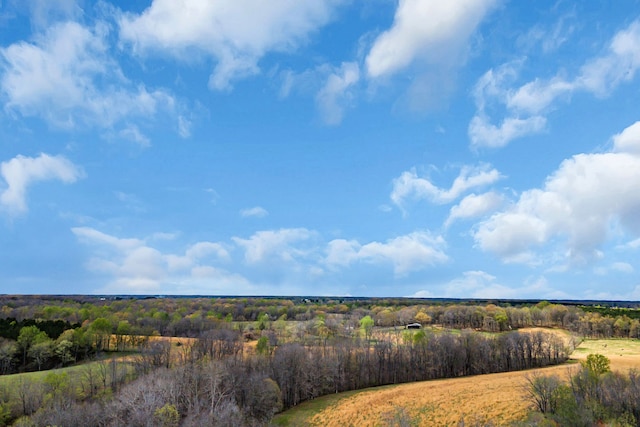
[(238, 361)]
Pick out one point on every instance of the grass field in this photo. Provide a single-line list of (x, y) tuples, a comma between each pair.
[(499, 398), (77, 374)]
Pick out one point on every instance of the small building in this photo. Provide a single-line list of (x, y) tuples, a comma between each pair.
[(414, 326)]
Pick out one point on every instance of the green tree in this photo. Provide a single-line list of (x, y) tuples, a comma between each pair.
[(263, 321), (167, 416), (420, 337), (123, 329), (41, 351), (262, 347), (502, 319), (101, 330), (366, 326), (5, 413), (596, 364), (57, 384), (63, 350), (29, 335)]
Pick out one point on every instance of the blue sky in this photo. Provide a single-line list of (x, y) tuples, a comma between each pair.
[(477, 148)]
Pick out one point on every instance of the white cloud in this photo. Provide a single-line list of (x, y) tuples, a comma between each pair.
[(337, 93), (408, 186), (408, 253), (628, 140), (534, 97), (184, 126), (272, 258), (480, 284), (235, 33), (578, 204), (21, 172), (623, 267), (427, 31), (282, 244), (632, 295), (255, 212), (619, 267), (473, 206), (549, 37), (603, 74), (342, 253), (133, 133), (202, 250), (133, 266), (527, 104), (67, 77), (422, 294), (334, 88), (632, 245), (484, 133), (90, 235)]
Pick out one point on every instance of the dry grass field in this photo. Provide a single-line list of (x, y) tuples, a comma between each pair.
[(499, 398)]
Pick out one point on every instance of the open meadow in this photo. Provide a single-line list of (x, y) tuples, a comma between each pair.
[(497, 398)]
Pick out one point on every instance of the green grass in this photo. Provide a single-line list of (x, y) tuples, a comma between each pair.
[(610, 347), (8, 382)]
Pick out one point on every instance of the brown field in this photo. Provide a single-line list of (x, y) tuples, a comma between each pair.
[(499, 398)]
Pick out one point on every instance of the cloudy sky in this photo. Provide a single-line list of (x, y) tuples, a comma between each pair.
[(476, 148)]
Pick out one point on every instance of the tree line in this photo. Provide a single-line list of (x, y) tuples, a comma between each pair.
[(215, 381), (191, 316)]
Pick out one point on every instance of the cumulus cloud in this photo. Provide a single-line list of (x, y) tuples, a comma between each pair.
[(132, 265), (21, 172), (409, 186), (255, 212), (480, 284), (407, 253), (580, 202), (235, 33), (426, 31), (67, 77), (277, 259), (430, 39), (628, 140), (284, 244), (473, 206), (527, 104)]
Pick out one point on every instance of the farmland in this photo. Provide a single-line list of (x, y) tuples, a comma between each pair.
[(499, 398), (240, 361)]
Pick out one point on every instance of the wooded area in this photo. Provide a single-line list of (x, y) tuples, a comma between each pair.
[(241, 360)]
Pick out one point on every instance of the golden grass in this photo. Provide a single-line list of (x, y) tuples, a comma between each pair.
[(624, 354), (499, 398)]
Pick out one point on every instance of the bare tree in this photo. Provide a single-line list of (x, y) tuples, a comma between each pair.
[(542, 390)]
